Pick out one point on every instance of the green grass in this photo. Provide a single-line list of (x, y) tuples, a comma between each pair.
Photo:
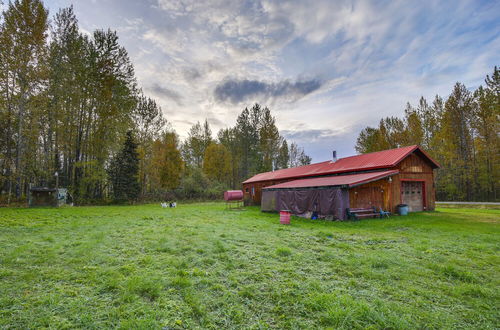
[(201, 266), (469, 206)]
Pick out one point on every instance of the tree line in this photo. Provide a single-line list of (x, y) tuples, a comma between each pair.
[(70, 104), (462, 132)]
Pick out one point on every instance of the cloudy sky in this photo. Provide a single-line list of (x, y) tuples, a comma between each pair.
[(325, 68)]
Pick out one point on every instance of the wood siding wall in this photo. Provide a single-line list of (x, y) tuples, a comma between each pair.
[(255, 199), (381, 193), (377, 193), (415, 168), (388, 194)]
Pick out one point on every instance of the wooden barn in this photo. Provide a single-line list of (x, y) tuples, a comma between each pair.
[(381, 179)]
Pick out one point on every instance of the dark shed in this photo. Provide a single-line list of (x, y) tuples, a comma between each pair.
[(43, 196), (327, 196), (329, 201)]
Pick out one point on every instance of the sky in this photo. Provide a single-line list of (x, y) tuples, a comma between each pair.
[(326, 69)]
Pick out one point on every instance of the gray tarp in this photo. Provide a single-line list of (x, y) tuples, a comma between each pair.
[(327, 202)]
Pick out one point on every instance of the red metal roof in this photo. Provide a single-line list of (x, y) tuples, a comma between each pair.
[(364, 162), (350, 180)]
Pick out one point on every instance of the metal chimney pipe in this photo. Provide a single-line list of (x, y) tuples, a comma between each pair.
[(334, 159)]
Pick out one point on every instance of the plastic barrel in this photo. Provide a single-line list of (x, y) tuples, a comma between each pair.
[(403, 209), (285, 217)]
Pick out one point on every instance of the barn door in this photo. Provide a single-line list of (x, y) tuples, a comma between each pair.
[(413, 195)]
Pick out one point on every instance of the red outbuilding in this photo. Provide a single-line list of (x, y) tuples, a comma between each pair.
[(381, 179)]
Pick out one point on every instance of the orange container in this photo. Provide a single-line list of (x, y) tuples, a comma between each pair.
[(285, 217)]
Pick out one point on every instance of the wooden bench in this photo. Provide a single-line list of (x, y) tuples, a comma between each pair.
[(362, 212)]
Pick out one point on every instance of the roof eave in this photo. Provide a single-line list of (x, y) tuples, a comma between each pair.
[(343, 185), (360, 183), (359, 170), (308, 187)]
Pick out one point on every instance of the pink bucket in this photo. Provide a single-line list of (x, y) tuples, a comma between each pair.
[(285, 217)]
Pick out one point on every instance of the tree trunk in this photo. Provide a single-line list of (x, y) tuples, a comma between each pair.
[(19, 144)]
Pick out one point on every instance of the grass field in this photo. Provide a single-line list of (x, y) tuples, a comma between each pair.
[(200, 266)]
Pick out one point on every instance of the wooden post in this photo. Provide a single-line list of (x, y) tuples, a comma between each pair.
[(29, 194)]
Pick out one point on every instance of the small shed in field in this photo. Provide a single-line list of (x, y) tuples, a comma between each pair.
[(44, 196), (382, 179)]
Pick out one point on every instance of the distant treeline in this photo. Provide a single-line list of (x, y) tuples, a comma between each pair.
[(70, 104), (462, 133)]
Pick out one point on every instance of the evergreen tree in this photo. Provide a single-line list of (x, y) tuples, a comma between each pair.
[(247, 130), (124, 171), (207, 139), (367, 140), (247, 141), (269, 139), (437, 110), (283, 155)]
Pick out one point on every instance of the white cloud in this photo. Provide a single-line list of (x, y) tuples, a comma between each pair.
[(371, 57)]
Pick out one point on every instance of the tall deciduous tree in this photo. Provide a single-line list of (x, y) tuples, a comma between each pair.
[(167, 161), (458, 142), (227, 137), (198, 140), (298, 156), (68, 101), (23, 62), (217, 163), (414, 133), (461, 132), (487, 126), (148, 123), (68, 96)]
